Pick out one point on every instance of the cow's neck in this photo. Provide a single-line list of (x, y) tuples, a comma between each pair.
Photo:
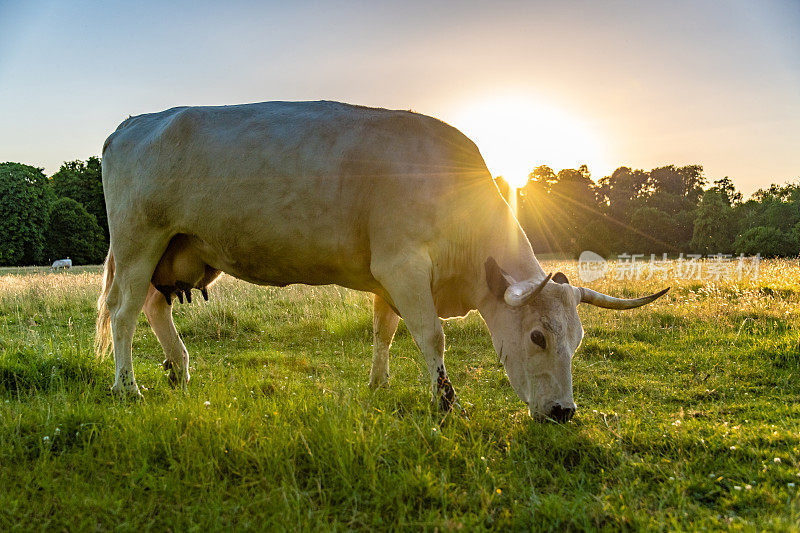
[(490, 230), (510, 246), (512, 251)]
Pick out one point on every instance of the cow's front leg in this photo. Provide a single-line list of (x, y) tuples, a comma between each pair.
[(384, 325), (408, 285)]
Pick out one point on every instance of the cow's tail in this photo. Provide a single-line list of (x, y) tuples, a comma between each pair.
[(102, 339)]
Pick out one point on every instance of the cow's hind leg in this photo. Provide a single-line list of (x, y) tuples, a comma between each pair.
[(134, 265), (384, 324), (159, 314)]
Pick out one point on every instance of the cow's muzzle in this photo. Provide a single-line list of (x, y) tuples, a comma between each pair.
[(561, 414)]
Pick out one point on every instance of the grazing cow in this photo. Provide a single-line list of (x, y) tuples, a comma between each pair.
[(61, 264), (389, 202)]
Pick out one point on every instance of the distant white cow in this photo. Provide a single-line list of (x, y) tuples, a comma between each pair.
[(390, 202), (61, 264)]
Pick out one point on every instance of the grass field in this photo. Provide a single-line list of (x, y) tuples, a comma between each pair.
[(688, 417)]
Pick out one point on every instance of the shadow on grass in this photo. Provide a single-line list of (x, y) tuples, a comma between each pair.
[(27, 372)]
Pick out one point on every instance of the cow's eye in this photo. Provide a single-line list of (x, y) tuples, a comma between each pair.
[(537, 337)]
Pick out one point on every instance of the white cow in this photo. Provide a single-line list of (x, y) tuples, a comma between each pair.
[(61, 264), (389, 202)]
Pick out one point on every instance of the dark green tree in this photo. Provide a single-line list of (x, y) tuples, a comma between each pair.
[(620, 195), (675, 189), (25, 198), (727, 190), (573, 199), (657, 231), (795, 235), (777, 207), (715, 222), (73, 233), (767, 241), (623, 188), (83, 182)]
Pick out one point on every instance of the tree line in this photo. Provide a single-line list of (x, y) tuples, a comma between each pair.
[(668, 209), (43, 218)]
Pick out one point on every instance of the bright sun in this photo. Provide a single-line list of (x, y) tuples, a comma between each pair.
[(515, 133)]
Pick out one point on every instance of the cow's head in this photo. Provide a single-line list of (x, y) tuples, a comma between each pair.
[(536, 329)]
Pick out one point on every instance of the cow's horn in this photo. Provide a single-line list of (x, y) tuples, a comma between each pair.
[(599, 299), (520, 293)]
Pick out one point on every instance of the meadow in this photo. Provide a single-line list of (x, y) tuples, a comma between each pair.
[(688, 416)]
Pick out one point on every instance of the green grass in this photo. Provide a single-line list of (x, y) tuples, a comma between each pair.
[(688, 417)]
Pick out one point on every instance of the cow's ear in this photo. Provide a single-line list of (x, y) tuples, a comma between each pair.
[(559, 277), (496, 278)]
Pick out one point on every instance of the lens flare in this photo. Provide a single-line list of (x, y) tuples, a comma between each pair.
[(516, 133)]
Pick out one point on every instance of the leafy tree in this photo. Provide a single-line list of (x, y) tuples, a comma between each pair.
[(573, 196), (25, 198), (676, 189), (767, 241), (73, 232), (620, 194), (83, 182), (727, 190), (560, 211), (543, 176), (622, 188), (715, 221), (651, 211), (534, 210), (795, 234), (658, 231)]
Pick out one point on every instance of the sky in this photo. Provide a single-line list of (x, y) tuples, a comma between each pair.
[(602, 83)]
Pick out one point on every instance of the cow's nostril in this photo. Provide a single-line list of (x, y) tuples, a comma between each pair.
[(561, 414)]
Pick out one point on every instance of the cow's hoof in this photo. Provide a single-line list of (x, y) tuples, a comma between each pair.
[(126, 393), (455, 409), (379, 383), (446, 404), (446, 394), (172, 377)]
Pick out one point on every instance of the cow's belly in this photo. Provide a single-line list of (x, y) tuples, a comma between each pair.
[(279, 231), (284, 260)]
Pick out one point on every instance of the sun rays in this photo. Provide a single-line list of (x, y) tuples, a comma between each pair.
[(516, 132)]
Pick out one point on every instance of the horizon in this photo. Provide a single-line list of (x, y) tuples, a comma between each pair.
[(611, 85)]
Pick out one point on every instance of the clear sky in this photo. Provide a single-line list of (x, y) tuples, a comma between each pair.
[(606, 83)]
